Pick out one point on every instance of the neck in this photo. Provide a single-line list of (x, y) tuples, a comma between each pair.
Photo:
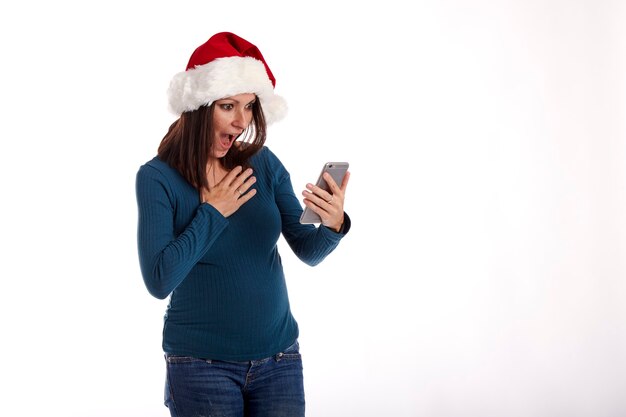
[(215, 171)]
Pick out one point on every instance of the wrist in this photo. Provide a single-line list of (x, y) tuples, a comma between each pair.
[(339, 227)]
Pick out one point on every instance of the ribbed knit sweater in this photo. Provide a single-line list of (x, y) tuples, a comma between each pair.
[(224, 276)]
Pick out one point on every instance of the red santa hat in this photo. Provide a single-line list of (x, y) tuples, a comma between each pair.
[(226, 65)]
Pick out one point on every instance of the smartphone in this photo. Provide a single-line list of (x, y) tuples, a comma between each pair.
[(337, 170)]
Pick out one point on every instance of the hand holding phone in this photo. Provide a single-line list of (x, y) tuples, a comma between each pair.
[(337, 171)]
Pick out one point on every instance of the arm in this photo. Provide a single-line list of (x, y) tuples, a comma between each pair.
[(166, 259), (309, 243)]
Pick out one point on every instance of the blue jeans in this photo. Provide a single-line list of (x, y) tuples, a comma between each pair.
[(270, 387)]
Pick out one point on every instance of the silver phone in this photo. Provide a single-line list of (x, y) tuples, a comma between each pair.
[(337, 170)]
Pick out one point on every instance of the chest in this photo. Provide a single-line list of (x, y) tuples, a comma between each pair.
[(259, 219)]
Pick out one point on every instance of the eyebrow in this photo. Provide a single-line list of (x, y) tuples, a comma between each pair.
[(236, 101)]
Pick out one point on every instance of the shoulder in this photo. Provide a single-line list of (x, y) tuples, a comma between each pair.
[(267, 161), (157, 173), (156, 168), (266, 157), (155, 165)]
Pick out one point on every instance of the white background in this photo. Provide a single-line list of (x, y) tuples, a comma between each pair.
[(484, 273)]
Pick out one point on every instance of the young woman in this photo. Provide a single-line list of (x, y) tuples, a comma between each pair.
[(212, 205)]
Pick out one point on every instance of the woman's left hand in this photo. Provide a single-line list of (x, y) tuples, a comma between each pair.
[(327, 204)]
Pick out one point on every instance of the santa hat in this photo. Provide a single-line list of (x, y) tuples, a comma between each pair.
[(226, 65)]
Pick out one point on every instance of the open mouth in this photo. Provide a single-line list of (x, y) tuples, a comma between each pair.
[(227, 140)]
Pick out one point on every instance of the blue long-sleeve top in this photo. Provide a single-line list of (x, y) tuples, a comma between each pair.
[(228, 296)]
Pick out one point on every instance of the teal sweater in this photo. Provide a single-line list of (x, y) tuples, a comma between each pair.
[(228, 296)]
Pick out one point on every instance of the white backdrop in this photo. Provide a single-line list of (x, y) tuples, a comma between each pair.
[(484, 274)]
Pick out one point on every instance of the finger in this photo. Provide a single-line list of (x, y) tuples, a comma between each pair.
[(321, 201), (319, 192), (232, 175), (245, 186), (246, 196), (326, 216), (315, 208), (243, 177), (332, 185), (238, 182), (344, 183)]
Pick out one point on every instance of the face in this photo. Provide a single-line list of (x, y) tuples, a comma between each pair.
[(231, 116)]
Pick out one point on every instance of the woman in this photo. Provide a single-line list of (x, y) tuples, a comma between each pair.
[(212, 206)]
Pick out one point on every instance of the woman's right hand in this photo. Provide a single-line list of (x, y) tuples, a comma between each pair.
[(232, 192)]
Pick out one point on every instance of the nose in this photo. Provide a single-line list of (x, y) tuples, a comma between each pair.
[(240, 120)]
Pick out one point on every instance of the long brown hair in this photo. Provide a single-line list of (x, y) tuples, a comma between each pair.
[(188, 142)]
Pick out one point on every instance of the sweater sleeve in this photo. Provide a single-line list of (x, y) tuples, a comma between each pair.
[(166, 258), (310, 244)]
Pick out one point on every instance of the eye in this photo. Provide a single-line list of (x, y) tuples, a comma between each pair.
[(226, 106), (249, 106)]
